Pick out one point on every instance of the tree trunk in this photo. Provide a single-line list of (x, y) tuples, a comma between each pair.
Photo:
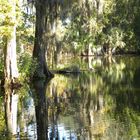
[(11, 70), (100, 5), (40, 39)]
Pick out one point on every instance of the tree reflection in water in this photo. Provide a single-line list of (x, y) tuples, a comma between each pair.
[(98, 105), (11, 108), (102, 104), (41, 108)]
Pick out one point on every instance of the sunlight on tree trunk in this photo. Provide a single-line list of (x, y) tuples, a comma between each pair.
[(11, 70), (100, 4)]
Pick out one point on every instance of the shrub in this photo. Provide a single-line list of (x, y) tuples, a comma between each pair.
[(26, 65)]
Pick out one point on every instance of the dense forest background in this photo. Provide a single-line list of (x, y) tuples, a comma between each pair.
[(99, 95), (76, 27)]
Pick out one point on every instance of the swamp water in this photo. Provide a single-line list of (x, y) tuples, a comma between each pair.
[(100, 103)]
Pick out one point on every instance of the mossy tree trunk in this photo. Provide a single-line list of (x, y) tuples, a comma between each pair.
[(11, 69), (40, 39)]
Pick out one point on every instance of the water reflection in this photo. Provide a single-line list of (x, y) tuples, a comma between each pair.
[(19, 117), (78, 109), (102, 104), (11, 102), (41, 109)]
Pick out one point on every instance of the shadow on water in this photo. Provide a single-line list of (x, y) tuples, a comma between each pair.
[(102, 104)]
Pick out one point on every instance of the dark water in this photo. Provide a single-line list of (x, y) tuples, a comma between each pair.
[(101, 103)]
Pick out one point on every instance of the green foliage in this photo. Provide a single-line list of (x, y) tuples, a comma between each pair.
[(24, 23), (118, 26), (81, 29), (137, 27), (26, 66), (2, 115), (25, 30), (115, 38), (1, 68), (5, 18)]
